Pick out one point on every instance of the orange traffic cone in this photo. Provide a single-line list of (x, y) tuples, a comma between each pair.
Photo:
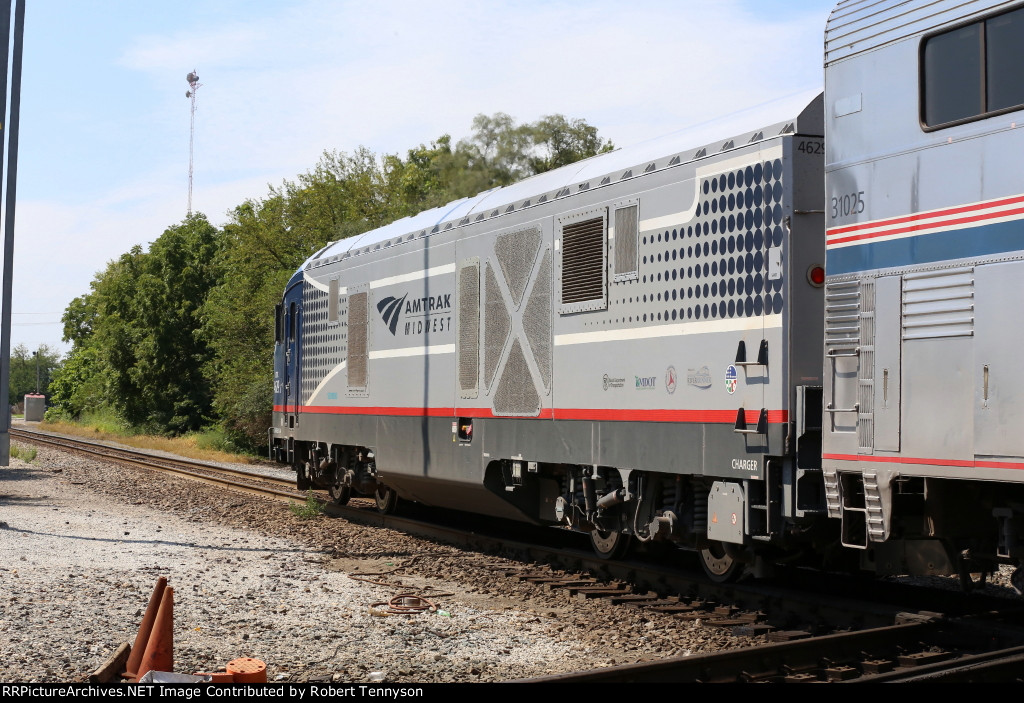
[(131, 669), (159, 654)]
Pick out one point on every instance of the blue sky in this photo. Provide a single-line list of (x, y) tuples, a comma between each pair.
[(105, 120)]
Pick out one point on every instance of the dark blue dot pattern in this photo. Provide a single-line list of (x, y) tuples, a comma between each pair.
[(714, 266), (718, 260)]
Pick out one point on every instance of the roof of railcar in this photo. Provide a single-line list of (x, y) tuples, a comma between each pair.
[(760, 123), (856, 26)]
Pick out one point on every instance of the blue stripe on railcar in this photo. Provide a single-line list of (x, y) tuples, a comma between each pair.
[(986, 240)]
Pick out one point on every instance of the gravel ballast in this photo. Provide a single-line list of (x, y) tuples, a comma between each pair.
[(83, 542)]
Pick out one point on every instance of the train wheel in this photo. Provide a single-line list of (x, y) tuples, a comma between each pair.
[(610, 544), (719, 565), (387, 500), (341, 492)]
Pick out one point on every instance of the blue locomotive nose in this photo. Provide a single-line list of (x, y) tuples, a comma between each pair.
[(287, 358)]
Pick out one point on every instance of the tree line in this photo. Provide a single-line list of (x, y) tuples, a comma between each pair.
[(179, 337)]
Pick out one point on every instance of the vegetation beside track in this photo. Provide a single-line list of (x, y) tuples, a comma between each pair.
[(202, 446)]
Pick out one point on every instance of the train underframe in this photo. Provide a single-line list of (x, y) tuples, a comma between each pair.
[(618, 508), (737, 527), (925, 525), (343, 471)]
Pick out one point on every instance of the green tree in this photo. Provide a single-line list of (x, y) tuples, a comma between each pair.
[(558, 142), (138, 345), (160, 349)]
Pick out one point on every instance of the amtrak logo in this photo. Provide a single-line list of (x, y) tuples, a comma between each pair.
[(422, 315), (390, 310)]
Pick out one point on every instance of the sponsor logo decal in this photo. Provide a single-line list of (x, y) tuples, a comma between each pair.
[(646, 383), (730, 379), (422, 315), (699, 378), (611, 382), (670, 379)]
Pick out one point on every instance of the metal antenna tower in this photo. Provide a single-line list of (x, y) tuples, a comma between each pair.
[(194, 85)]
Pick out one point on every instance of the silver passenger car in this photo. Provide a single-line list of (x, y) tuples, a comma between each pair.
[(924, 392)]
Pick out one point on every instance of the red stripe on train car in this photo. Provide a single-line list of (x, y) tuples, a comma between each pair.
[(963, 463), (925, 226), (775, 417), (927, 215)]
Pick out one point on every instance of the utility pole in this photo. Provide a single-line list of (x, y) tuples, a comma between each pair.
[(193, 86), (10, 136)]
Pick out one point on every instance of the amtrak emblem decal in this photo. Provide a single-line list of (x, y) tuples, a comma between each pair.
[(390, 309)]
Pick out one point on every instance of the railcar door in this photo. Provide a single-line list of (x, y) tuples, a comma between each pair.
[(887, 357)]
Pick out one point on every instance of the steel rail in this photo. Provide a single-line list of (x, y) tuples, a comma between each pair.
[(184, 467), (936, 650)]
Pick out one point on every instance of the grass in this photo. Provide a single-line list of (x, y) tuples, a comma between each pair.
[(210, 445), (310, 509), (26, 454)]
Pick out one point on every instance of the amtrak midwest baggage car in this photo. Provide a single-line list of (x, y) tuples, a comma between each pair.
[(924, 389), (609, 345)]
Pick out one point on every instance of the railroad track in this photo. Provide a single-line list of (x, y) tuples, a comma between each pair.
[(935, 650), (802, 624), (236, 479)]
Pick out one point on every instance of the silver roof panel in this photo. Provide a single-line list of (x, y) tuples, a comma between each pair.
[(762, 122)]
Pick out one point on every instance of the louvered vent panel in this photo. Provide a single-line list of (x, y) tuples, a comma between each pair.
[(938, 304), (583, 261), (469, 328), (497, 324), (625, 241), (842, 349), (537, 319), (516, 253), (357, 341), (842, 315), (516, 393)]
